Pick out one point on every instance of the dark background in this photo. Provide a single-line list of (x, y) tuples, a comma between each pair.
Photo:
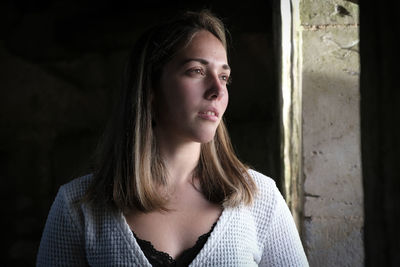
[(380, 130), (60, 70)]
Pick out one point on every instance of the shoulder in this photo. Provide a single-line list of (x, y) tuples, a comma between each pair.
[(266, 187), (276, 230), (74, 190), (68, 201), (263, 182), (266, 199), (66, 212)]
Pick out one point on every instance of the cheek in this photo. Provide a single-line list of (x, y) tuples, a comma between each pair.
[(225, 102), (189, 93), (173, 94), (180, 100)]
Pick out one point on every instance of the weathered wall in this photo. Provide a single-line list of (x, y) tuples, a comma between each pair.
[(333, 198)]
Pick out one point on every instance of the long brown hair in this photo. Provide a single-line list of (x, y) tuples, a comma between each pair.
[(130, 170)]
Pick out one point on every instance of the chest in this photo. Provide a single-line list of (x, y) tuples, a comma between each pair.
[(233, 242), (179, 228)]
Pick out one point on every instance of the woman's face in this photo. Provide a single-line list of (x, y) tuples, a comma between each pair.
[(192, 96)]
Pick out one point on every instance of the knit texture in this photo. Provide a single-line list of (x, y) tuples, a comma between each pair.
[(263, 234)]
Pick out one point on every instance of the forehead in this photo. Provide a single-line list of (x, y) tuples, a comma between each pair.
[(205, 45)]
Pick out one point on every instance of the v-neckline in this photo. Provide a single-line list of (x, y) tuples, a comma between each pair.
[(201, 241), (217, 232)]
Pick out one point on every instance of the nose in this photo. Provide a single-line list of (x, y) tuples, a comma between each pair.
[(216, 89)]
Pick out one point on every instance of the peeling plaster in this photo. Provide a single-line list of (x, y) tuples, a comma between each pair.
[(332, 217)]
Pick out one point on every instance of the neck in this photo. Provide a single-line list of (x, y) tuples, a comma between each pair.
[(180, 159)]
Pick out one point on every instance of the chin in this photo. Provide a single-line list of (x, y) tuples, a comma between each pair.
[(205, 137)]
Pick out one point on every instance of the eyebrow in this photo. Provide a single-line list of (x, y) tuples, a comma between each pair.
[(204, 62)]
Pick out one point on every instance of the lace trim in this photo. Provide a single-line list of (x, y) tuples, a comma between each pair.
[(161, 257), (152, 253)]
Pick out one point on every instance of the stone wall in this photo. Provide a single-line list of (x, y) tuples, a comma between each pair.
[(333, 196)]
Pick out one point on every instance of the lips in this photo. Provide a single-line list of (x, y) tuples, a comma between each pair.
[(209, 114)]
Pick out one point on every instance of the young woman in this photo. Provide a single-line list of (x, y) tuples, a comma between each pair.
[(169, 190)]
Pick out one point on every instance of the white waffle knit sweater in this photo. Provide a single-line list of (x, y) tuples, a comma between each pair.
[(263, 234)]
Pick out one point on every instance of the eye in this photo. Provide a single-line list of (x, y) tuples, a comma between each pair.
[(226, 78), (196, 71)]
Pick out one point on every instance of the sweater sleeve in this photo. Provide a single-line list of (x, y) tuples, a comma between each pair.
[(62, 242), (283, 246)]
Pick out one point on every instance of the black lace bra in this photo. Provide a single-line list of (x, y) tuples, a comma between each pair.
[(163, 259)]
